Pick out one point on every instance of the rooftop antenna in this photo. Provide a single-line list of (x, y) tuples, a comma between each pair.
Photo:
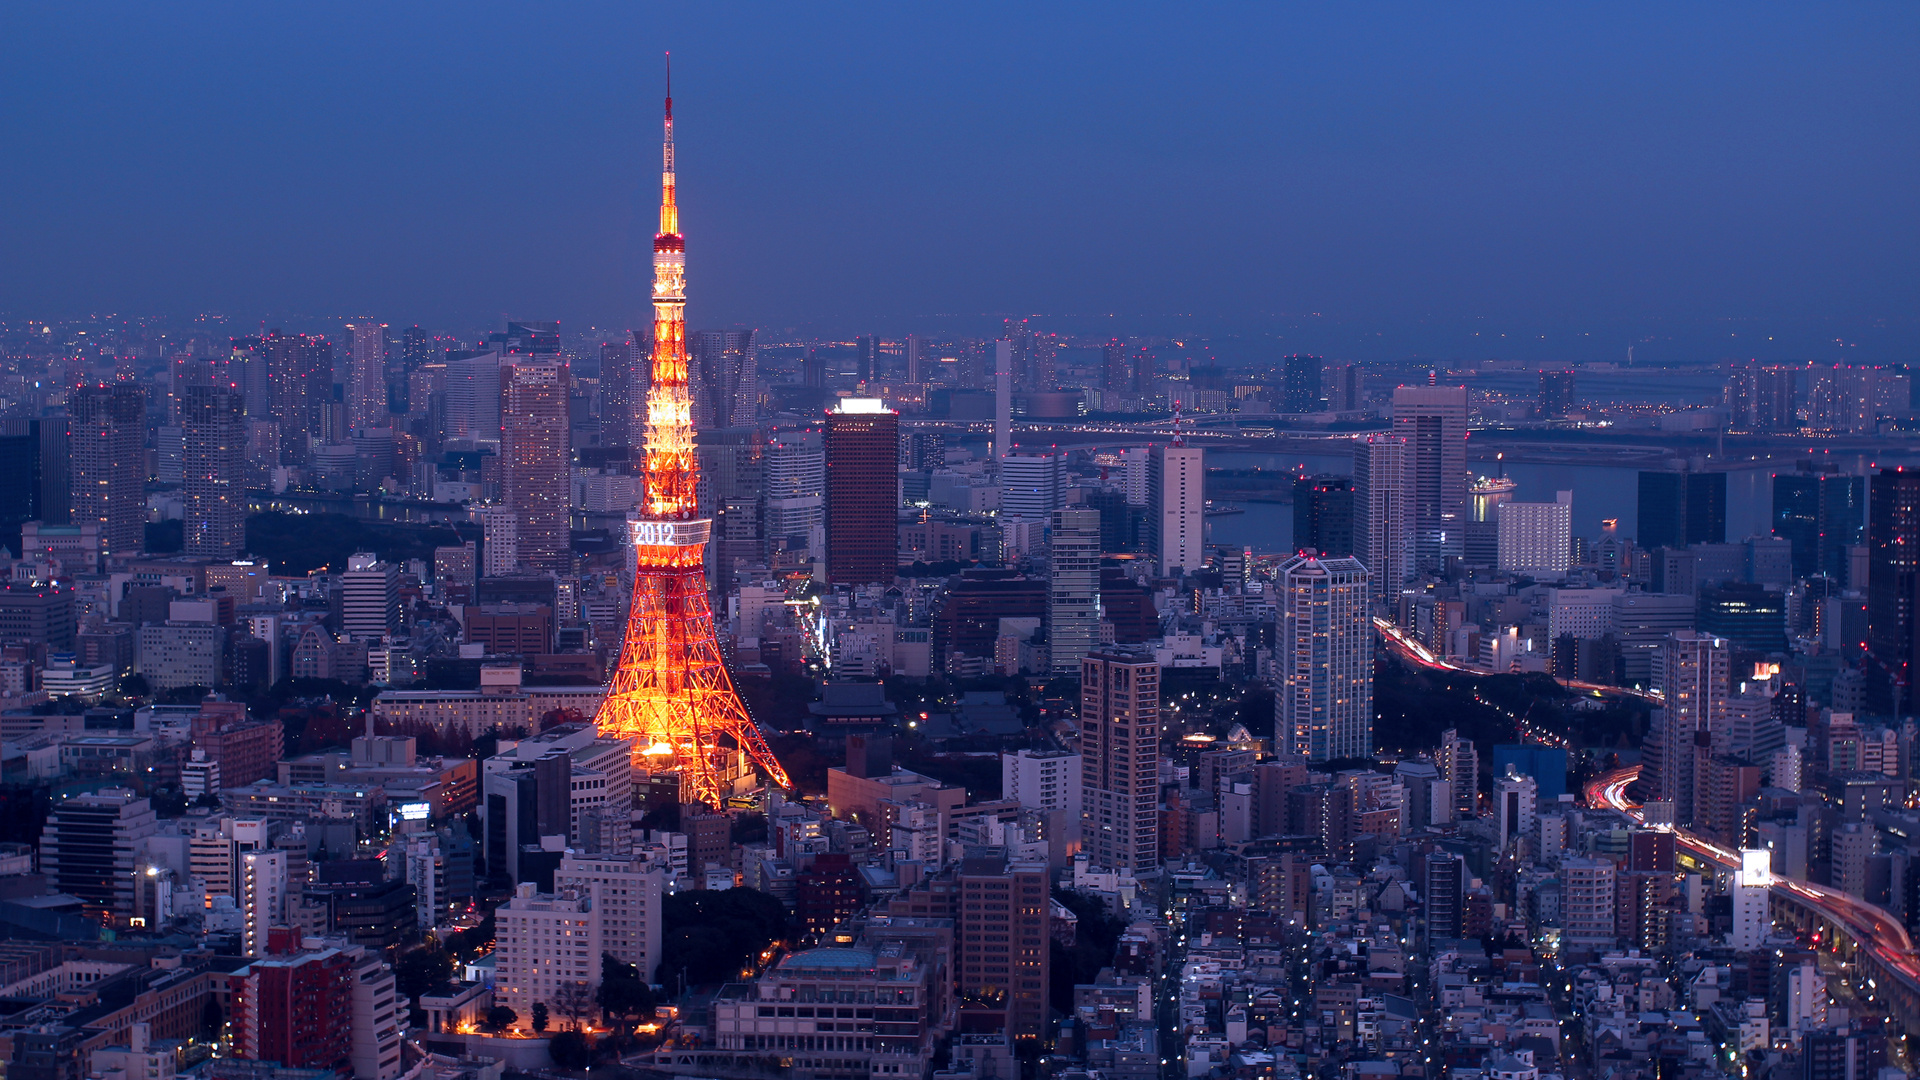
[(1178, 439), (1433, 377)]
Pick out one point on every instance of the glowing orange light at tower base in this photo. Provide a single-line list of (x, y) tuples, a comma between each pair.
[(671, 692)]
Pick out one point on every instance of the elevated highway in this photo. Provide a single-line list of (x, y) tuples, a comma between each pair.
[(1883, 967)]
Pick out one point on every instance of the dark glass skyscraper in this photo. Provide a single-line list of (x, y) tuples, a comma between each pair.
[(33, 471), (1302, 384), (1323, 515), (1893, 574), (1556, 394), (1821, 515), (213, 469), (1681, 508), (299, 391)]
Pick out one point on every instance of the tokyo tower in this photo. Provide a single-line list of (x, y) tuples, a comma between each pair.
[(671, 691)]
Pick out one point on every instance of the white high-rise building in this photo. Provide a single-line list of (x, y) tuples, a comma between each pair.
[(1042, 780), (1536, 538), (1002, 398), (796, 464), (367, 376), (1176, 508), (369, 598), (1383, 511), (1433, 420), (1459, 763), (377, 1019), (1516, 801), (1752, 910), (1133, 477), (262, 894), (500, 536), (626, 893), (547, 946), (1031, 485), (1587, 901), (1323, 659), (1691, 671), (1587, 614), (472, 408), (1073, 591), (267, 629)]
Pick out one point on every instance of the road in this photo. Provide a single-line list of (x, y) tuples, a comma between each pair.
[(1871, 927), (1410, 651)]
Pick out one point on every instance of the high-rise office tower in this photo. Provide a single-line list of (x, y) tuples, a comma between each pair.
[(1302, 384), (1821, 515), (868, 359), (261, 889), (1120, 758), (107, 443), (300, 386), (1556, 394), (1002, 398), (1323, 515), (535, 457), (473, 386), (1073, 594), (1516, 798), (1763, 399), (1114, 375), (916, 358), (671, 690), (369, 598), (1003, 959), (623, 393), (1843, 400), (1893, 576), (1176, 507), (1323, 705), (214, 471), (1691, 670), (1433, 420), (728, 394), (35, 479), (1031, 485), (1342, 384), (1682, 508), (795, 517), (367, 376), (1383, 511), (862, 440), (1536, 537), (417, 348)]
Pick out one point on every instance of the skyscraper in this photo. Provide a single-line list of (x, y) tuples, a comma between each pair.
[(367, 376), (728, 394), (1821, 515), (1691, 670), (369, 598), (1682, 508), (108, 437), (1176, 507), (534, 459), (35, 463), (1302, 384), (1893, 575), (1003, 960), (1073, 596), (623, 393), (1383, 511), (1323, 706), (1114, 376), (213, 468), (1120, 758), (1556, 394), (1458, 761), (1323, 515), (1433, 420), (862, 439), (300, 386), (796, 463), (1031, 485)]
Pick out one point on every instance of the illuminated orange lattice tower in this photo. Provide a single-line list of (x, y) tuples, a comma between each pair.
[(671, 691)]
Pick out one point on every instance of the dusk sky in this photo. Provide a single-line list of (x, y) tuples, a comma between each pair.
[(1381, 179)]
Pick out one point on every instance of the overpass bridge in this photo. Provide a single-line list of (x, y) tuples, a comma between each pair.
[(1872, 946)]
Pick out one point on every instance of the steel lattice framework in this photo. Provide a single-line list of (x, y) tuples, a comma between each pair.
[(671, 691)]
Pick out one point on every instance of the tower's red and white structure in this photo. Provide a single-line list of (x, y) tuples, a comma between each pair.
[(671, 691)]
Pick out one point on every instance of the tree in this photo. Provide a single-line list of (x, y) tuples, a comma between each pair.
[(574, 1002), (624, 997), (711, 936), (500, 1018), (539, 1017), (422, 969), (570, 1050)]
